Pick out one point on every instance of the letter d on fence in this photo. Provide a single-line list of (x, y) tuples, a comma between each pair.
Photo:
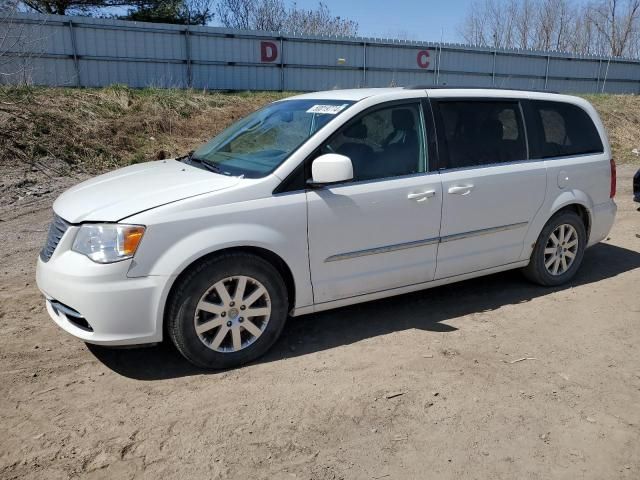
[(268, 51)]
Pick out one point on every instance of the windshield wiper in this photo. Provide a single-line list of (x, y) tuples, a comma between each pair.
[(185, 157), (209, 165)]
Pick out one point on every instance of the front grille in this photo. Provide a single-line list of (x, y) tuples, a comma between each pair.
[(56, 230)]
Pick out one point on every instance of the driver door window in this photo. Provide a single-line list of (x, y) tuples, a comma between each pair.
[(387, 142)]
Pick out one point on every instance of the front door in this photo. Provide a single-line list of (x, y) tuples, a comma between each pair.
[(490, 190), (379, 231)]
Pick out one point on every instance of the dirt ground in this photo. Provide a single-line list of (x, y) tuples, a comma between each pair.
[(426, 385)]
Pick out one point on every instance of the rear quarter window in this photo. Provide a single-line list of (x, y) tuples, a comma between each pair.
[(564, 130)]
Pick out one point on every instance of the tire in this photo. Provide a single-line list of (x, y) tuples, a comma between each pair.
[(543, 263), (225, 338)]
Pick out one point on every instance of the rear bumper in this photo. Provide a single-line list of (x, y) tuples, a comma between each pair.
[(99, 303), (602, 218)]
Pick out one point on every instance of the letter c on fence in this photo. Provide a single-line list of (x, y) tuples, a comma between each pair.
[(423, 58), (268, 51)]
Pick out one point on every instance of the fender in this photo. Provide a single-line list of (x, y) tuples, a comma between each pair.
[(572, 197), (197, 245), (182, 233), (564, 199)]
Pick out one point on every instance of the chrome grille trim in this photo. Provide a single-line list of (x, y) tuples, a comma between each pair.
[(57, 229)]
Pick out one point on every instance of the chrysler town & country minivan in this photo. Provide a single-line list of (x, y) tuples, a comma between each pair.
[(324, 200)]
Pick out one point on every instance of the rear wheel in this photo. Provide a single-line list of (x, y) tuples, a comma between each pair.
[(559, 249), (227, 311)]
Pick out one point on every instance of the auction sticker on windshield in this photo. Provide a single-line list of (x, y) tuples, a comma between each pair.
[(327, 109)]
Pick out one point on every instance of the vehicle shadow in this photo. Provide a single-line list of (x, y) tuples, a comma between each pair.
[(424, 310)]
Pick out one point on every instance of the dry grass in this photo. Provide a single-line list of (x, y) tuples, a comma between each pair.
[(621, 117), (93, 130)]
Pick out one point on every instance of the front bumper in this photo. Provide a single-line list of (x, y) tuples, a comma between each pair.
[(602, 218), (99, 303)]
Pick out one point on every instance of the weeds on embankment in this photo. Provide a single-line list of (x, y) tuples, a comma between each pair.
[(58, 130), (62, 130)]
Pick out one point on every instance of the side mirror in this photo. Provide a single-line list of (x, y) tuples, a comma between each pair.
[(331, 168)]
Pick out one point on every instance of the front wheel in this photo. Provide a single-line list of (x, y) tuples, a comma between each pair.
[(559, 249), (227, 311)]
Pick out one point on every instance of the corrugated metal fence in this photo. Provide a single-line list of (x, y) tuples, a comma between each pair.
[(89, 52)]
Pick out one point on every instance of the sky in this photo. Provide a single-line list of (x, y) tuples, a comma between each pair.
[(408, 19)]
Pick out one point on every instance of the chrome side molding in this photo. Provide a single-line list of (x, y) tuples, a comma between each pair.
[(422, 243), (483, 231), (385, 249)]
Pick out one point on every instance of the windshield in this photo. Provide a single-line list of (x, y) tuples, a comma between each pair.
[(259, 143)]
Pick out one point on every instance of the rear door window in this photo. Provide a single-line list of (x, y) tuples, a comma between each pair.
[(565, 130), (478, 133)]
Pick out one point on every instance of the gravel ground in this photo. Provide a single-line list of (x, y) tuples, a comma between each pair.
[(425, 385)]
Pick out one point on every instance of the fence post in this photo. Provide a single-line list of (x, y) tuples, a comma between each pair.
[(364, 64), (438, 59), (187, 47), (606, 73), (281, 63), (493, 71), (76, 63), (598, 77), (546, 72)]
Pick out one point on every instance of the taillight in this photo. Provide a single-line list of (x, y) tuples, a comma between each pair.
[(612, 192)]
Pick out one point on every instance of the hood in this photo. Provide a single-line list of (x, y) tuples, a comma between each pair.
[(126, 191)]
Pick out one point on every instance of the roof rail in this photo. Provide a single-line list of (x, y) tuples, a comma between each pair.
[(447, 87)]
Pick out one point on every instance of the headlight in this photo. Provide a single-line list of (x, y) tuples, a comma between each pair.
[(108, 242)]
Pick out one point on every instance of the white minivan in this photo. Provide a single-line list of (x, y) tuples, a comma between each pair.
[(324, 200)]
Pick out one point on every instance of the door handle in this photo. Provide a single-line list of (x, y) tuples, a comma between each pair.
[(421, 196), (460, 189)]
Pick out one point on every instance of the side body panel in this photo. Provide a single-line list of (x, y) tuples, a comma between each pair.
[(486, 227), (582, 179), (574, 181), (487, 205), (179, 234), (372, 236)]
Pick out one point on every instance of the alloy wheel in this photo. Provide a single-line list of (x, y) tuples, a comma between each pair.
[(232, 314), (561, 249)]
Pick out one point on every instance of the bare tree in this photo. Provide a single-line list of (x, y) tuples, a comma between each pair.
[(492, 23), (319, 21), (525, 32), (563, 11), (580, 36), (18, 46), (268, 15), (551, 25), (617, 22), (473, 29), (605, 27), (272, 15), (236, 13)]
